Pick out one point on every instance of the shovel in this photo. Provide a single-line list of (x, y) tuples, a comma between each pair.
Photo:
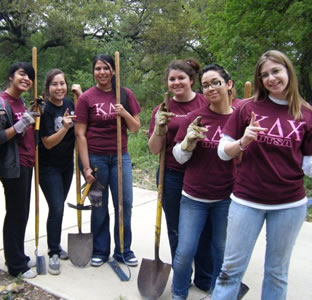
[(80, 245), (40, 260), (112, 262), (153, 274)]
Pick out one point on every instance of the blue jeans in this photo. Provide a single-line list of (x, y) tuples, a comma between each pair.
[(244, 226), (107, 176), (55, 184), (173, 183), (193, 217)]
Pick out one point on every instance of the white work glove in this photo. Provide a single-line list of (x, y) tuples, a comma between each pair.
[(194, 132), (162, 117), (28, 119)]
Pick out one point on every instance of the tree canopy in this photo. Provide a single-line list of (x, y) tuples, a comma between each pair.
[(149, 34)]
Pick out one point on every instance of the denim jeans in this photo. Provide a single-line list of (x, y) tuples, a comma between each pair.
[(193, 217), (173, 183), (108, 177), (244, 226), (55, 184)]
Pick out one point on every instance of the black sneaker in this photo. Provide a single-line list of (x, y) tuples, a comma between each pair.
[(242, 291)]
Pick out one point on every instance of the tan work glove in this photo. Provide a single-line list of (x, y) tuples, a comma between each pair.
[(162, 118), (194, 132)]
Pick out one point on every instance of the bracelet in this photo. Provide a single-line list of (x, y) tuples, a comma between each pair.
[(85, 169), (241, 148)]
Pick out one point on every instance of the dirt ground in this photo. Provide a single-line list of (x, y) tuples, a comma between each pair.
[(21, 290)]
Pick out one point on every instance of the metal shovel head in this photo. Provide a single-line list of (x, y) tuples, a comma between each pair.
[(80, 247), (41, 266), (152, 278)]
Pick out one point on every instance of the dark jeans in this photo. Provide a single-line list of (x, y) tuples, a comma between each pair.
[(107, 176), (17, 200), (172, 194), (55, 183)]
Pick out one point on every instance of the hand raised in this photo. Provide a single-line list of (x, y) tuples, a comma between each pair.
[(251, 131)]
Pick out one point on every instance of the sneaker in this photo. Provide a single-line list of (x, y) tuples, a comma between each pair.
[(29, 274), (54, 265), (31, 263), (96, 261), (63, 254), (130, 261), (242, 291)]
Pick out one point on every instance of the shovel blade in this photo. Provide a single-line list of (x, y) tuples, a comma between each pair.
[(80, 247), (41, 266), (152, 278)]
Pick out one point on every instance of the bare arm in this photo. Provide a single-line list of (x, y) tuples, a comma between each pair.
[(80, 132), (156, 142)]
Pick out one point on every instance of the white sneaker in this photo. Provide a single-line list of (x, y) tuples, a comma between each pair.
[(29, 274), (54, 265), (31, 263)]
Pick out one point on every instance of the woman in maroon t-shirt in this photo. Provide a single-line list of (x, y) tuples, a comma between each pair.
[(273, 130), (96, 131), (208, 181), (180, 77), (17, 158)]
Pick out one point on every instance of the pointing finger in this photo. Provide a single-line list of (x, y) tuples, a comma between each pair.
[(253, 118)]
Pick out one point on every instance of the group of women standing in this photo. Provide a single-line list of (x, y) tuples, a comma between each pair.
[(214, 215)]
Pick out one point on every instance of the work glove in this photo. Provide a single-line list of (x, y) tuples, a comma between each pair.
[(96, 194), (162, 118), (41, 105), (27, 119), (194, 132)]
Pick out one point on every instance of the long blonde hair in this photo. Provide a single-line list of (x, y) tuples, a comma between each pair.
[(292, 91)]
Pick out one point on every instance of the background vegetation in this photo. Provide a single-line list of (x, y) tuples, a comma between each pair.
[(149, 34)]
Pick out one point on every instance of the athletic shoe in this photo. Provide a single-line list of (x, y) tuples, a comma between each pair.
[(29, 274), (54, 265), (31, 263), (130, 261), (243, 290), (63, 254), (96, 261)]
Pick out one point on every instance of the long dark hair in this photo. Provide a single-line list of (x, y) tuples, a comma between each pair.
[(107, 59)]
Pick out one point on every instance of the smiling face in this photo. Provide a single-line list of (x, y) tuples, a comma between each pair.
[(215, 88), (275, 79), (179, 83), (103, 74), (20, 81), (57, 88)]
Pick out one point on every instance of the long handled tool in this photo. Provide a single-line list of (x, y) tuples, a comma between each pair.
[(112, 262), (80, 245), (153, 274), (40, 260), (247, 90)]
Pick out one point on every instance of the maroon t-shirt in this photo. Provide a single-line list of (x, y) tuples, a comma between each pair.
[(26, 142), (181, 109), (97, 109), (270, 171), (206, 175)]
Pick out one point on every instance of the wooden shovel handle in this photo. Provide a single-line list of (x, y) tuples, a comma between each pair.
[(119, 156), (162, 159), (247, 90)]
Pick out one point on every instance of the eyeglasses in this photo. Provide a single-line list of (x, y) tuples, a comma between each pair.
[(214, 84), (274, 72)]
